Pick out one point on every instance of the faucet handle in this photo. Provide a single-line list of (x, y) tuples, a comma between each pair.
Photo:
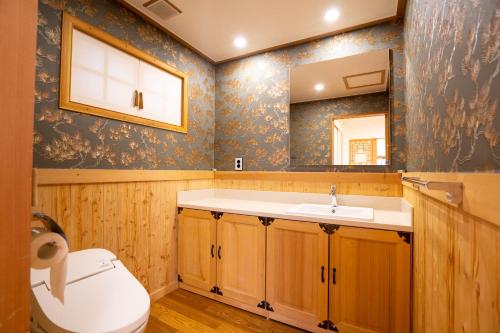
[(333, 189)]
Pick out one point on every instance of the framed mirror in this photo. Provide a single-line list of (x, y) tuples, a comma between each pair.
[(340, 111)]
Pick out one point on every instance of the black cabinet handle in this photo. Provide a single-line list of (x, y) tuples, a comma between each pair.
[(212, 250), (218, 252), (323, 274), (334, 275)]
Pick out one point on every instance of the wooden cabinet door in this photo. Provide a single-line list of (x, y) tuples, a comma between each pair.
[(197, 241), (297, 273), (241, 263), (369, 281)]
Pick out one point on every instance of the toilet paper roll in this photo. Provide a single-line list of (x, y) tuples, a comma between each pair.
[(50, 250)]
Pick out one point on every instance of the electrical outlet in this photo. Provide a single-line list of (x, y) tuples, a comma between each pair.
[(238, 163)]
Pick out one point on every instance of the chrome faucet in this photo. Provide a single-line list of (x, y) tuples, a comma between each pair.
[(333, 193)]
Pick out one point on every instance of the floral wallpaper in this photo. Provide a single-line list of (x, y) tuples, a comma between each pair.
[(252, 97), (65, 139), (453, 85), (310, 125)]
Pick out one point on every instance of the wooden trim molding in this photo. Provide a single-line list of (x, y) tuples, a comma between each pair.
[(71, 23), (323, 177), (400, 13), (157, 294), (95, 176), (481, 192), (311, 39)]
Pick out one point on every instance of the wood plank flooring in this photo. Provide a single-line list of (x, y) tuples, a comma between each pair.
[(183, 311)]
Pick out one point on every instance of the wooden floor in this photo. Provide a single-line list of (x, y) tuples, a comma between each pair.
[(182, 311)]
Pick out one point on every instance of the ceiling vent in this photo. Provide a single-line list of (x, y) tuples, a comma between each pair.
[(162, 9), (365, 79)]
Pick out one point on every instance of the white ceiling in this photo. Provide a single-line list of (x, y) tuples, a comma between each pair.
[(331, 74), (210, 26)]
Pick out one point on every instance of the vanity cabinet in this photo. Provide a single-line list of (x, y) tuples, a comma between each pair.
[(313, 276), (223, 256), (297, 273), (369, 281)]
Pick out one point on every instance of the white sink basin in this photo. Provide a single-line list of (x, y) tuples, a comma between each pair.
[(363, 214)]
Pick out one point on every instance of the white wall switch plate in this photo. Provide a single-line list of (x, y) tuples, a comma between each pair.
[(238, 163)]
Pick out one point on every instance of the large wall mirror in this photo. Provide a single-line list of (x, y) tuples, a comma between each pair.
[(340, 111)]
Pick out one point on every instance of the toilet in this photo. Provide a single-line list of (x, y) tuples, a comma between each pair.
[(101, 296)]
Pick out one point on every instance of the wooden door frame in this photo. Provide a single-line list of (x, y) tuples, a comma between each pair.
[(18, 27)]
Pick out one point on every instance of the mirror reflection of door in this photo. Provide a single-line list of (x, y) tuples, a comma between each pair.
[(360, 139), (362, 151)]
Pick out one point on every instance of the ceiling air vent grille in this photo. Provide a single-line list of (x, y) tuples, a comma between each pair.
[(163, 9)]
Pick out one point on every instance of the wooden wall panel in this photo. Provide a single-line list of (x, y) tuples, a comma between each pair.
[(134, 215), (134, 220), (312, 182), (17, 90), (474, 186), (456, 280)]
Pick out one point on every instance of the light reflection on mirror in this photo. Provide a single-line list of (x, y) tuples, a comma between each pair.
[(348, 121)]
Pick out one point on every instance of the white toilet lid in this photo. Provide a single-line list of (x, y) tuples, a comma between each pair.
[(98, 298)]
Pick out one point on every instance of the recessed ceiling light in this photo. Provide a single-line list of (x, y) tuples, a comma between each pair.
[(240, 42), (319, 87), (331, 15)]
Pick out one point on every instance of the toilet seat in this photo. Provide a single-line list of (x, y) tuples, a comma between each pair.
[(101, 296)]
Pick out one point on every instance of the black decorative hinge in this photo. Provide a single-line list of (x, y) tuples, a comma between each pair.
[(179, 210), (329, 228), (217, 215), (265, 305), (328, 325), (216, 290), (266, 221), (405, 236), (179, 278)]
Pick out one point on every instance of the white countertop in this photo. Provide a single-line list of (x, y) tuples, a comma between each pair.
[(390, 213)]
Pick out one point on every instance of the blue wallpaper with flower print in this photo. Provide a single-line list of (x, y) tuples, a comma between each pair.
[(453, 82), (65, 139), (252, 96)]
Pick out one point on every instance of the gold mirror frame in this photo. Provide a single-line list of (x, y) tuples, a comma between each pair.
[(71, 23)]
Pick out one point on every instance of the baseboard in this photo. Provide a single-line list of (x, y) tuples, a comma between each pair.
[(159, 293), (228, 301)]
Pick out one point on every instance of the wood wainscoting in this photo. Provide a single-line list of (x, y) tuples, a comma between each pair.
[(129, 212), (456, 267), (133, 212), (383, 184)]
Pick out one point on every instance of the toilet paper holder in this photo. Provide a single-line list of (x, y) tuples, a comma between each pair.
[(49, 224)]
